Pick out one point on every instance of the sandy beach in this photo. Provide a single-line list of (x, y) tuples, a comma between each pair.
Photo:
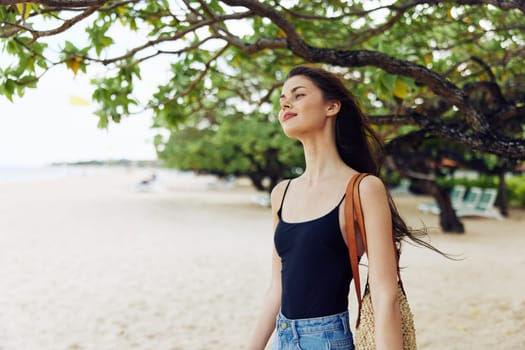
[(89, 262)]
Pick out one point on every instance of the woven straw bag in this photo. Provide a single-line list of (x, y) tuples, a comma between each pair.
[(364, 337)]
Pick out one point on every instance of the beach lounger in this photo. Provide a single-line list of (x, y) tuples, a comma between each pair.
[(484, 206), (471, 200)]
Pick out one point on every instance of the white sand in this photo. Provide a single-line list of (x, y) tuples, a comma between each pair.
[(90, 263)]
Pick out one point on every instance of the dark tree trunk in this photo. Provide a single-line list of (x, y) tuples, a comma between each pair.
[(448, 219), (502, 195), (272, 169), (257, 181), (274, 180)]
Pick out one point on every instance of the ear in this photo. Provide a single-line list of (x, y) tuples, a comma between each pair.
[(332, 108)]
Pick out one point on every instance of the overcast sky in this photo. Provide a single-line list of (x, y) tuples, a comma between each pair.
[(44, 126)]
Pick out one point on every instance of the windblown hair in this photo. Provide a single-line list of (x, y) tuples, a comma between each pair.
[(357, 143)]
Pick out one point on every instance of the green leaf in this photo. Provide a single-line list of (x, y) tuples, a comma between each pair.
[(11, 47), (28, 81), (388, 81)]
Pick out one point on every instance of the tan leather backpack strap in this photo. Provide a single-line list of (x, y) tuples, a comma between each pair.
[(350, 232), (359, 212), (361, 224), (351, 237)]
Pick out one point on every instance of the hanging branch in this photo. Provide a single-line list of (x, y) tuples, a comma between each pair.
[(62, 4), (360, 58)]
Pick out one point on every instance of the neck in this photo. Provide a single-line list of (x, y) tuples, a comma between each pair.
[(321, 156)]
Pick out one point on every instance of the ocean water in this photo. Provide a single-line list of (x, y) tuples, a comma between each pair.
[(25, 174)]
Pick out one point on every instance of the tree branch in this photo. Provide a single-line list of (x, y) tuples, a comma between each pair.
[(259, 45), (356, 13), (17, 28), (199, 78), (487, 142), (66, 25), (62, 4), (117, 4), (177, 35), (262, 10), (396, 119), (485, 67), (111, 7), (361, 58), (313, 17), (392, 65), (266, 97), (511, 110), (368, 33), (159, 52), (502, 4)]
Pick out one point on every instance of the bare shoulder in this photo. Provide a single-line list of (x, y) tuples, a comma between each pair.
[(277, 194), (372, 188)]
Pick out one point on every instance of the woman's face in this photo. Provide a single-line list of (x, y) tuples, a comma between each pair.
[(303, 108)]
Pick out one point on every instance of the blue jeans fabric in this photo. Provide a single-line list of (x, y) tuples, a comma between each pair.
[(320, 333)]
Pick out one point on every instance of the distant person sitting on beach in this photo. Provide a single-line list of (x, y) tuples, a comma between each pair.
[(150, 184), (149, 180), (307, 301)]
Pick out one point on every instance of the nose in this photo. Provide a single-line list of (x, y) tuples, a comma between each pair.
[(285, 104)]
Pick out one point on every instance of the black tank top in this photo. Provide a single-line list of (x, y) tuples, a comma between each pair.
[(316, 270)]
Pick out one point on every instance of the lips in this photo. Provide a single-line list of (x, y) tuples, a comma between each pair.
[(288, 115)]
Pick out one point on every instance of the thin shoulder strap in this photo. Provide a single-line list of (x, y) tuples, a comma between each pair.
[(284, 195), (341, 201)]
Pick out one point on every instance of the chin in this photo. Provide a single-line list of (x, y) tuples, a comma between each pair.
[(293, 132), (298, 129)]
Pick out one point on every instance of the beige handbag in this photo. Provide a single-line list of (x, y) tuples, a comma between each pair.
[(364, 337)]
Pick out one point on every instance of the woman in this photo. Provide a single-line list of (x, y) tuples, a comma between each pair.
[(307, 301)]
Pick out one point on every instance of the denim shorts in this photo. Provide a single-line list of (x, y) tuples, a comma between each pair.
[(320, 333)]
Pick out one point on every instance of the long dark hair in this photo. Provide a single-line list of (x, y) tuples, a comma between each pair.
[(357, 143)]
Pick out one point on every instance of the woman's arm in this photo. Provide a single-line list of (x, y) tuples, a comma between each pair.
[(272, 299), (382, 267), (270, 307)]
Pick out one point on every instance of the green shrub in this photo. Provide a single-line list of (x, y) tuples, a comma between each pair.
[(516, 190), (483, 181)]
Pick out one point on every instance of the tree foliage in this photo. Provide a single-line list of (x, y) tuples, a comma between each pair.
[(440, 79), (240, 145)]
